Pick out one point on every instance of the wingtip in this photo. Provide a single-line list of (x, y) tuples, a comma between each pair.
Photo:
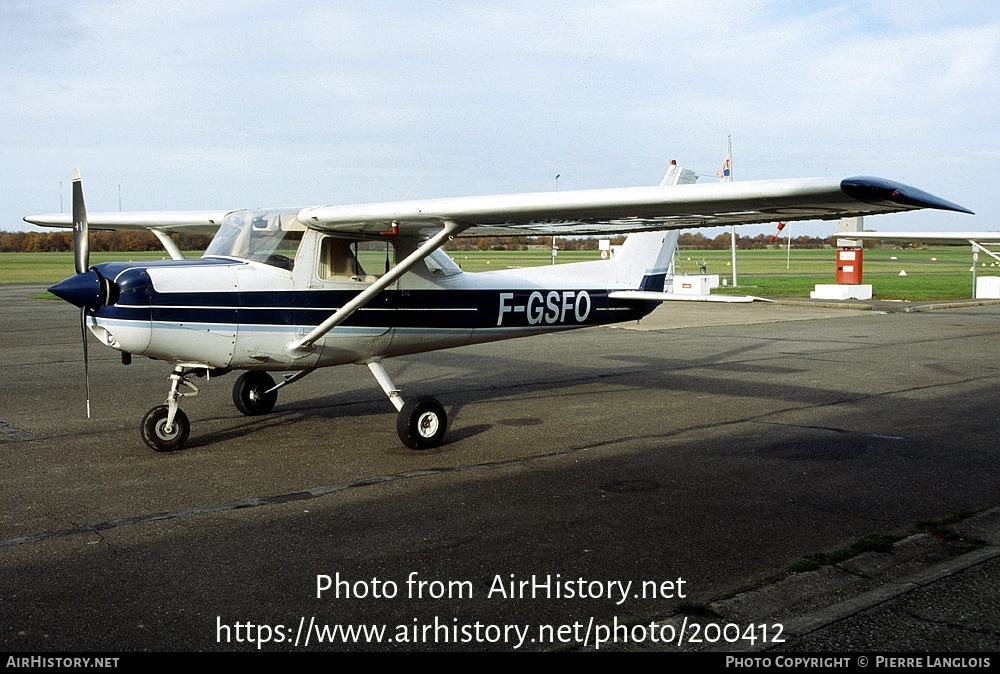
[(875, 190)]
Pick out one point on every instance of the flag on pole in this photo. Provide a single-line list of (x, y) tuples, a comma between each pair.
[(725, 171)]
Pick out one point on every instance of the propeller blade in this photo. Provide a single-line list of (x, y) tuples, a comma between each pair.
[(86, 365), (81, 238)]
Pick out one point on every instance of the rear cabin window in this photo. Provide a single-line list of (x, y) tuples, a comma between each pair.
[(358, 260)]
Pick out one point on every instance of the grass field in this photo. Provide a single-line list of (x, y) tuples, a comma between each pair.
[(931, 273), (51, 267)]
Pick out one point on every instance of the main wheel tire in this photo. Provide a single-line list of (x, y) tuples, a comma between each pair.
[(154, 432), (421, 423), (249, 393)]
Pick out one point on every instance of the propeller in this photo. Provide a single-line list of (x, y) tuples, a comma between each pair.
[(81, 239), (81, 257), (86, 367)]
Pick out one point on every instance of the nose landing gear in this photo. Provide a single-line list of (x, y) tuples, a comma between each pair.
[(166, 428)]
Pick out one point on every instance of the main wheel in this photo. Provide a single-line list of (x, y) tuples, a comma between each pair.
[(421, 423), (154, 429), (249, 393)]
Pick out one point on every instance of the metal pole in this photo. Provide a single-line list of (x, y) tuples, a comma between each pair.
[(732, 242), (788, 259), (975, 261), (554, 236)]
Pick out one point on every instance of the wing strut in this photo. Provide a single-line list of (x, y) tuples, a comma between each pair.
[(168, 244), (298, 348)]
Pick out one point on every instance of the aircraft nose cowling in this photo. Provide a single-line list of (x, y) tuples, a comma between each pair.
[(82, 290)]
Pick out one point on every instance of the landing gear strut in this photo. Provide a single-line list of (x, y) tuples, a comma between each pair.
[(421, 422)]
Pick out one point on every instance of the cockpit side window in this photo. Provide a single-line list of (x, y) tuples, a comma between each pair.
[(364, 260)]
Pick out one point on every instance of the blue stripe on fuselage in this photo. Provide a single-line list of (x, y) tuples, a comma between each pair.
[(452, 309)]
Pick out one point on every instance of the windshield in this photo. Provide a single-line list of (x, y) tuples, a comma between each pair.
[(271, 236), (439, 263)]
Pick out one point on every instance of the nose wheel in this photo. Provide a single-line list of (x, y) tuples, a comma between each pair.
[(162, 435)]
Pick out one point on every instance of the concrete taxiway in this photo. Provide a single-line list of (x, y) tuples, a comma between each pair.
[(709, 445)]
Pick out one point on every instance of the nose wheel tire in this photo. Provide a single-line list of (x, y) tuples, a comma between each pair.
[(249, 393), (156, 434), (421, 423)]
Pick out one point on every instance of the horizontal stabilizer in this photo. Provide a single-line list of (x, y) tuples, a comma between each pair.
[(648, 296), (935, 237)]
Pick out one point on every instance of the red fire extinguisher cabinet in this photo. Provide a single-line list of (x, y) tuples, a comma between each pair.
[(849, 262)]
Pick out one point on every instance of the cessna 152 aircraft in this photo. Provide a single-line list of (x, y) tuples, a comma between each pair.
[(293, 290)]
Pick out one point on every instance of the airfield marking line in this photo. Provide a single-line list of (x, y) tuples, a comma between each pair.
[(832, 429)]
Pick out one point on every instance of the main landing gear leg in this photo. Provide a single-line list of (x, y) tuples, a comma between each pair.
[(421, 422), (256, 393), (166, 428)]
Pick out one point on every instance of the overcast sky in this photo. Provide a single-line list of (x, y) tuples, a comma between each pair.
[(224, 104)]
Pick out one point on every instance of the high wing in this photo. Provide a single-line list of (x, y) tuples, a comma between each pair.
[(574, 213), (632, 209), (195, 222)]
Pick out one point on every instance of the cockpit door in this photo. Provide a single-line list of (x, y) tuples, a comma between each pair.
[(344, 267)]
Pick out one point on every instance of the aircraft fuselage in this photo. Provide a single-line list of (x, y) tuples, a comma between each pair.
[(235, 314)]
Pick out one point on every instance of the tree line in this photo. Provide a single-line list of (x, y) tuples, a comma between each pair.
[(129, 241), (100, 241)]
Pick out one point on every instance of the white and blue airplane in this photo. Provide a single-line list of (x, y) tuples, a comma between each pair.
[(296, 289)]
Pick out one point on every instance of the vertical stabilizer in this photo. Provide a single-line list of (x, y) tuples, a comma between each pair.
[(644, 259), (678, 176)]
